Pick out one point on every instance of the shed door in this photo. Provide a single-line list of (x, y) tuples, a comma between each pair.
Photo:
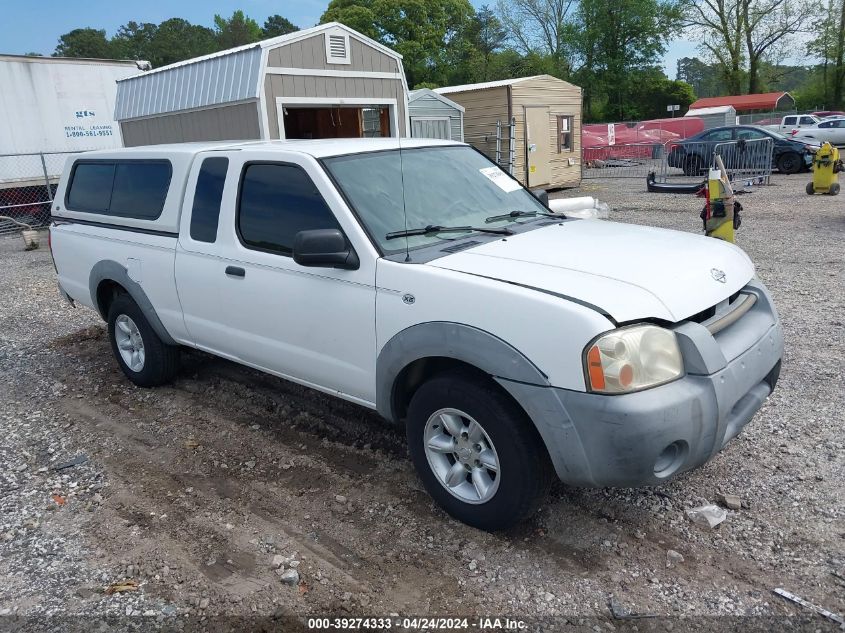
[(538, 146), (431, 127)]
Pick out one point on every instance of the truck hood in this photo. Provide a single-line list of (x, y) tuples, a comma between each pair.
[(627, 271)]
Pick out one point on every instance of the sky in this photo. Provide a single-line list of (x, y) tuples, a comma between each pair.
[(36, 26)]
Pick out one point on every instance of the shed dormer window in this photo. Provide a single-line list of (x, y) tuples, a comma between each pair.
[(337, 47)]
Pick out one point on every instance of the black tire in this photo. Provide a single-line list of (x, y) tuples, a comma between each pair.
[(525, 465), (161, 362), (810, 189), (789, 163), (834, 189), (693, 166)]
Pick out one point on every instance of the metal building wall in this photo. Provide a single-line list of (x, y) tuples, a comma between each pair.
[(225, 123), (221, 79)]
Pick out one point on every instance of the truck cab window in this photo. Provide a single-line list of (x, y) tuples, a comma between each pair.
[(205, 213), (276, 202)]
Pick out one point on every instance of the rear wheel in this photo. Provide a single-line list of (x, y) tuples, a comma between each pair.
[(789, 163), (693, 166), (834, 189), (477, 453), (810, 188), (142, 355)]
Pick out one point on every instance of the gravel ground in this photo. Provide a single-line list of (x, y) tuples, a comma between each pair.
[(232, 493)]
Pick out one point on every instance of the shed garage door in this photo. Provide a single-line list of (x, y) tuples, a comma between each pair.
[(427, 127)]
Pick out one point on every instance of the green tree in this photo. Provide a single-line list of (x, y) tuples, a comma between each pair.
[(544, 28), (768, 27), (84, 43), (829, 47), (429, 34), (484, 37), (134, 40), (616, 39), (176, 40), (276, 25), (719, 26), (704, 78), (839, 59), (236, 31), (651, 91)]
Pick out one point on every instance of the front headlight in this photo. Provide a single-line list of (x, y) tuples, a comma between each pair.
[(632, 359)]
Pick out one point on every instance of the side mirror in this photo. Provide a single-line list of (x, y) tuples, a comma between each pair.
[(542, 195), (324, 248)]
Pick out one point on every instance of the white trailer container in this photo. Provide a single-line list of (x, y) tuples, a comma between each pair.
[(49, 107), (54, 105)]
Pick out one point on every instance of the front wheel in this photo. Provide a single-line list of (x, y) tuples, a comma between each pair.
[(810, 188), (145, 359), (834, 189), (477, 453), (789, 163)]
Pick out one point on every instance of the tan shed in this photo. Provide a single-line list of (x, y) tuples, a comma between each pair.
[(326, 82), (535, 117)]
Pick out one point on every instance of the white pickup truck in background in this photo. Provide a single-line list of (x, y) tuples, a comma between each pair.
[(793, 122), (420, 280)]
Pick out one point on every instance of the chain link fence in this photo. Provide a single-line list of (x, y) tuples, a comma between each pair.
[(27, 185)]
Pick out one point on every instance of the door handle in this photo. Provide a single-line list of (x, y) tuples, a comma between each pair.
[(235, 271)]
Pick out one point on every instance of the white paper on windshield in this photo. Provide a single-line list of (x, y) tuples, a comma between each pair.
[(500, 179)]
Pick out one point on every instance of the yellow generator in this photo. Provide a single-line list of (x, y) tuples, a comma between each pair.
[(721, 213), (826, 168)]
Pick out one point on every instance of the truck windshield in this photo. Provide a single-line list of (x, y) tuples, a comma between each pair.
[(443, 186)]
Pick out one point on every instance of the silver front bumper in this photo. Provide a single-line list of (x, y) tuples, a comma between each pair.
[(647, 437)]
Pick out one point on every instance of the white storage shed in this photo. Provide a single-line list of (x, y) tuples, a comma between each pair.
[(716, 116)]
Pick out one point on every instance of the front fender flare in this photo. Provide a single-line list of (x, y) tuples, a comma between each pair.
[(461, 342)]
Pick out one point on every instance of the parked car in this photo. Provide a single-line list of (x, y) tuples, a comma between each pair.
[(827, 114), (793, 122), (695, 154), (422, 281), (829, 130)]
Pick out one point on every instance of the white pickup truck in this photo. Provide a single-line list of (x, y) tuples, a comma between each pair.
[(793, 122), (420, 280)]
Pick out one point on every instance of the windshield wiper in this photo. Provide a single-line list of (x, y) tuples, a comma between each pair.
[(431, 229), (521, 214)]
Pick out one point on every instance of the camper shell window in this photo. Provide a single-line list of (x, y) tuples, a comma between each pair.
[(121, 188)]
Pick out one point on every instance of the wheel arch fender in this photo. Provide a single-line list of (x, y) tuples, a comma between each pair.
[(442, 339), (112, 271)]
